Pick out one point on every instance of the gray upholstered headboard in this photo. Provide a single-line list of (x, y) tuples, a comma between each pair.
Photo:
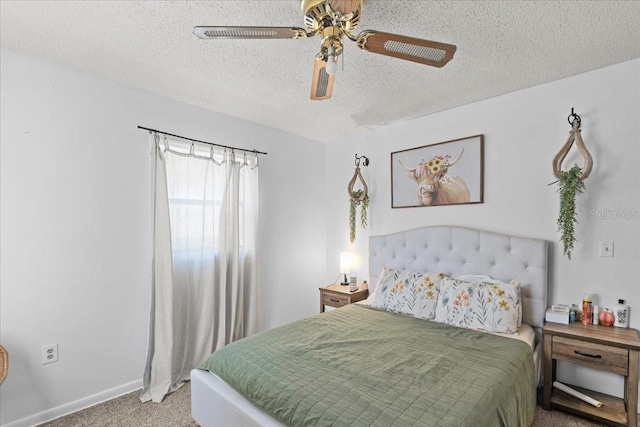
[(455, 251)]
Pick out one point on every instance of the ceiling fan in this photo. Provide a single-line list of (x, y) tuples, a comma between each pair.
[(333, 19)]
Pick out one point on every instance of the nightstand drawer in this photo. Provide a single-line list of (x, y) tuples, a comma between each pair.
[(336, 295), (334, 300), (604, 357)]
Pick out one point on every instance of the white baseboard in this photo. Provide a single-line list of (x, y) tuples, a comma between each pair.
[(75, 406)]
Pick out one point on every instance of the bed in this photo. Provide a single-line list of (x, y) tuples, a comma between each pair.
[(353, 393)]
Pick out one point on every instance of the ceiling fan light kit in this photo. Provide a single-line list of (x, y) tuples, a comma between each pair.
[(333, 20)]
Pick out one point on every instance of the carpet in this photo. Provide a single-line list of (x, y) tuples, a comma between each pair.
[(175, 411)]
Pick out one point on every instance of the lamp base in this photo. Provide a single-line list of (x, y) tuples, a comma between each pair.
[(345, 281)]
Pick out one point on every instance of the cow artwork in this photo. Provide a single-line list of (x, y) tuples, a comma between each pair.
[(435, 185)]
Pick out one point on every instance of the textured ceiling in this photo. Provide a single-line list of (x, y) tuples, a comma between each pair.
[(502, 47)]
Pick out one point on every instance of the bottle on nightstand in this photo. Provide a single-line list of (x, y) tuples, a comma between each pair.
[(621, 314), (587, 309), (596, 315)]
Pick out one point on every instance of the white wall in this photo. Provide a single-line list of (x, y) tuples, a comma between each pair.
[(523, 132), (75, 225), (75, 206)]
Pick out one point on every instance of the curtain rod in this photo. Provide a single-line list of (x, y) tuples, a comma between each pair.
[(202, 142)]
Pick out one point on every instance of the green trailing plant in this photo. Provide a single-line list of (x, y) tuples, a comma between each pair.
[(569, 186), (364, 204)]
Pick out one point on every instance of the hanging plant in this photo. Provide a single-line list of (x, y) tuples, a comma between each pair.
[(570, 185), (355, 200), (358, 197)]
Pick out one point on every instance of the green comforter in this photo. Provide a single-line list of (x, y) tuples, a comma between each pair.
[(358, 366)]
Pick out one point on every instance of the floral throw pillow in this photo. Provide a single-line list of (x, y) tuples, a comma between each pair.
[(513, 292), (486, 279), (407, 292), (388, 278), (484, 306)]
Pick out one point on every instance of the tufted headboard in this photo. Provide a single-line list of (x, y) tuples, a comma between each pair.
[(456, 251)]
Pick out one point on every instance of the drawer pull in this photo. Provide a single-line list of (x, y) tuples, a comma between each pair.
[(337, 300), (595, 356)]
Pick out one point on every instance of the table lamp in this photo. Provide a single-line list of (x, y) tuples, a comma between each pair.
[(345, 267)]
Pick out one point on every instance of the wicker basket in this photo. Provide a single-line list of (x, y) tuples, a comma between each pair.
[(4, 363)]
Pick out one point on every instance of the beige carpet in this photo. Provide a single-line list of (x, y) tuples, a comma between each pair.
[(175, 410)]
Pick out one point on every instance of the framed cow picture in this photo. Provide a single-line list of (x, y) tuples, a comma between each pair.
[(447, 173)]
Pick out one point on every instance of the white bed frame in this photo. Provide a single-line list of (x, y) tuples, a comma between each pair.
[(454, 251)]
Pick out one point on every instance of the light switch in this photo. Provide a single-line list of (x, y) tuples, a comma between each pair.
[(606, 249)]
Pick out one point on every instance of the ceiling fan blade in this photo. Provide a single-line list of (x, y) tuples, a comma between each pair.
[(249, 32), (422, 51), (322, 84)]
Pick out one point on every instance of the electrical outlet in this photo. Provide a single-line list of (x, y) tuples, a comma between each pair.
[(606, 249), (49, 353)]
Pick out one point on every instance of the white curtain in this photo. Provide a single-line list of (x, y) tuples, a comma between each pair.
[(205, 290)]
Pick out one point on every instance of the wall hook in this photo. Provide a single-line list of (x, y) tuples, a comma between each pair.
[(575, 117), (365, 162)]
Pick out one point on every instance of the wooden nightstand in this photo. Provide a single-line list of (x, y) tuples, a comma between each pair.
[(337, 295), (600, 347)]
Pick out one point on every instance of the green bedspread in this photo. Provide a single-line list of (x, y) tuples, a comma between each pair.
[(358, 366)]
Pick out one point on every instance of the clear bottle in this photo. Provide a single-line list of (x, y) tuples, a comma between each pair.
[(621, 314)]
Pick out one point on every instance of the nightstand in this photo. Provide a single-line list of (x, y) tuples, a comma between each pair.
[(337, 295), (605, 348)]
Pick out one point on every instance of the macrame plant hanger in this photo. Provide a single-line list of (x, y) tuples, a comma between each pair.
[(570, 183), (358, 198), (574, 136)]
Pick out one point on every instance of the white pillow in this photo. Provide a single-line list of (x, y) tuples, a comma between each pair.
[(407, 292), (482, 306), (476, 278)]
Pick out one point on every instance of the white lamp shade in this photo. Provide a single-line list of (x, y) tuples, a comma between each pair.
[(345, 262)]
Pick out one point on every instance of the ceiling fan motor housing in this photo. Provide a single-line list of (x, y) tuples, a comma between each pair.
[(319, 14)]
